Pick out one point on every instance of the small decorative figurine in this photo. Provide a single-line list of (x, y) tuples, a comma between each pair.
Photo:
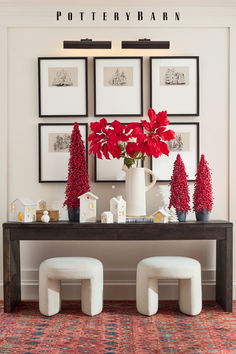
[(88, 207), (41, 205), (118, 209), (160, 216), (107, 217), (23, 210), (173, 216), (45, 217)]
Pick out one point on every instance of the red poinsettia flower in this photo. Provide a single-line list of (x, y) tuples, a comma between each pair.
[(131, 148), (132, 141), (105, 138), (152, 140)]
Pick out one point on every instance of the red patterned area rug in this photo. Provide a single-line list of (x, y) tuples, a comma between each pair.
[(118, 329)]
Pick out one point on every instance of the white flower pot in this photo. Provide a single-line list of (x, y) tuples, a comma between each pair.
[(136, 189)]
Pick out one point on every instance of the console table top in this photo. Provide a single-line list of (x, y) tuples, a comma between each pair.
[(98, 224), (65, 230)]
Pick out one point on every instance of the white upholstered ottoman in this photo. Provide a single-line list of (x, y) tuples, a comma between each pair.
[(186, 270), (53, 270)]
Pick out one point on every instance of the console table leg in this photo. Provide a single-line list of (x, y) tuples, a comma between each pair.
[(224, 271), (12, 280)]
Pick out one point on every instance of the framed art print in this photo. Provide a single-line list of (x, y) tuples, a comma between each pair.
[(186, 143), (174, 85), (54, 143), (118, 86), (108, 170), (63, 89)]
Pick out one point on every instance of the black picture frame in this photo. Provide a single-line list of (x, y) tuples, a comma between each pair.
[(196, 124), (40, 153), (139, 113), (42, 113), (176, 114)]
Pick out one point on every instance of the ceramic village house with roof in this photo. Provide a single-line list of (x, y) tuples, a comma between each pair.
[(88, 207), (23, 209)]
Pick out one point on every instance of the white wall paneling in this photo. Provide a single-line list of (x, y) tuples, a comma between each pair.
[(27, 35)]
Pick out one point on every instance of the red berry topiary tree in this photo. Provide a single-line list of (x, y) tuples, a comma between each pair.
[(179, 198), (77, 181), (202, 197)]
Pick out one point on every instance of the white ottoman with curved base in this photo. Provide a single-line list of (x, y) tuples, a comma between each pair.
[(186, 270), (53, 270)]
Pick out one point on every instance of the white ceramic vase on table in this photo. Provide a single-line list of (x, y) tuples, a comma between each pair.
[(135, 189)]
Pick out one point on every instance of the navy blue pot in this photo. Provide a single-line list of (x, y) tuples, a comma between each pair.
[(203, 215), (181, 215), (74, 214)]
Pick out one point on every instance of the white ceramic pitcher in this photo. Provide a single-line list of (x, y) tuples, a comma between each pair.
[(136, 189)]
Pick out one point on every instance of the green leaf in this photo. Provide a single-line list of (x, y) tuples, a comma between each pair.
[(128, 161)]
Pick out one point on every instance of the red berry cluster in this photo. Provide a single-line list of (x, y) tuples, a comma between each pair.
[(179, 198), (202, 198), (77, 181)]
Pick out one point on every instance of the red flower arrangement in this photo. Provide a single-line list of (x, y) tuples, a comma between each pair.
[(202, 197), (179, 198), (133, 141)]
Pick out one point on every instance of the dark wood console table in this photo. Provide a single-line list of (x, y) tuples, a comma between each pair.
[(13, 233)]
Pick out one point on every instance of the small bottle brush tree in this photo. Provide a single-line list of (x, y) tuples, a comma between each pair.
[(179, 197), (202, 197), (77, 181)]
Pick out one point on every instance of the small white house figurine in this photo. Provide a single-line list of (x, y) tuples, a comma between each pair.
[(41, 205), (160, 216), (45, 217), (88, 207), (118, 209), (23, 210), (107, 217)]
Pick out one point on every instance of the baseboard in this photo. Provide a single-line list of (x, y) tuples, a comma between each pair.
[(119, 284)]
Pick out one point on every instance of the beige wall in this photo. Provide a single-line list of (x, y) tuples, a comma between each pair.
[(24, 46)]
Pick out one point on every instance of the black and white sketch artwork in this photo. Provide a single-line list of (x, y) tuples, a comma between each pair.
[(118, 86), (118, 76), (186, 143), (174, 85), (171, 75), (54, 150), (58, 142), (180, 143), (62, 77)]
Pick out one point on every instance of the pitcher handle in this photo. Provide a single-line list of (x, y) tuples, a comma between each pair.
[(150, 185)]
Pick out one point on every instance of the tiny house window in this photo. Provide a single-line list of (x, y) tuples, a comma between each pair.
[(87, 197), (91, 205), (27, 210), (83, 214), (20, 217)]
